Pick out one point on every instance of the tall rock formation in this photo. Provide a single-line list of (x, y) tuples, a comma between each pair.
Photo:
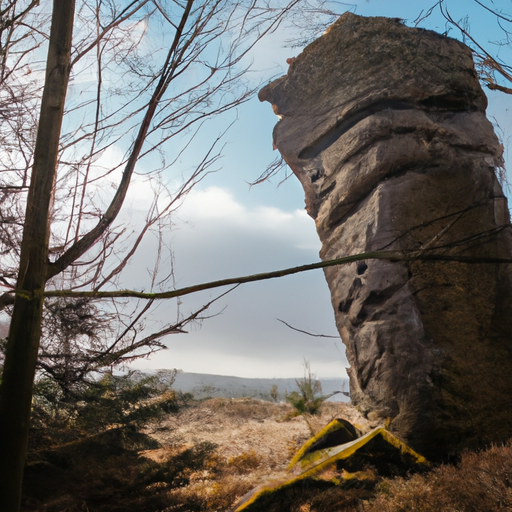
[(385, 128)]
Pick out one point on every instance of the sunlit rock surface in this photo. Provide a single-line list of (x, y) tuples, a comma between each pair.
[(385, 128)]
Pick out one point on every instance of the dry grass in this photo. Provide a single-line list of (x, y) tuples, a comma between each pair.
[(203, 459), (214, 452), (241, 425), (481, 482), (254, 441)]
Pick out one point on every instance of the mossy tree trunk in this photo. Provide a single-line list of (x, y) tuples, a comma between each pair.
[(25, 329)]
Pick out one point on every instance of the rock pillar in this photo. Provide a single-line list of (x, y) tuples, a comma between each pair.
[(385, 128)]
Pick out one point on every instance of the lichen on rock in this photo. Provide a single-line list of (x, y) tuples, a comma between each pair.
[(385, 128)]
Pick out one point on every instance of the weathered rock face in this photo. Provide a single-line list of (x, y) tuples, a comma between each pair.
[(385, 128)]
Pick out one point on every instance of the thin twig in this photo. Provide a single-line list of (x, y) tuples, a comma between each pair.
[(306, 332)]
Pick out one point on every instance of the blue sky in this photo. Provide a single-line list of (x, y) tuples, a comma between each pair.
[(227, 228)]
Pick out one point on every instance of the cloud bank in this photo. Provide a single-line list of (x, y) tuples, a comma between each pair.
[(223, 238)]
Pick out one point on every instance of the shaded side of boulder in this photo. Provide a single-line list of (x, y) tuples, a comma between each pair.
[(385, 128), (354, 465), (339, 431)]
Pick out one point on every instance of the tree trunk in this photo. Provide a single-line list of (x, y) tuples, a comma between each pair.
[(25, 329)]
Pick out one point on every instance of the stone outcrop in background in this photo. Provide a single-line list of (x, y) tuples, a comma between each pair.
[(385, 128)]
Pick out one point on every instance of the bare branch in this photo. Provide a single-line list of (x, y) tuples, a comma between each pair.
[(393, 256), (86, 242), (487, 59), (306, 332)]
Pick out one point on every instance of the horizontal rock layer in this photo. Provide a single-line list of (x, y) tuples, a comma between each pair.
[(385, 128)]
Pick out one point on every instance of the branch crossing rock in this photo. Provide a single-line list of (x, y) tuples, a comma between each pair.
[(385, 128)]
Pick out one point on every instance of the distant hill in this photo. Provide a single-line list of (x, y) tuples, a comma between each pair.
[(203, 385)]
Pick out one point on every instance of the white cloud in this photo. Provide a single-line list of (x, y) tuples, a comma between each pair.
[(217, 206), (212, 203), (219, 238)]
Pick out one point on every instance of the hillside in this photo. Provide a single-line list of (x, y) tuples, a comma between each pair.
[(203, 385)]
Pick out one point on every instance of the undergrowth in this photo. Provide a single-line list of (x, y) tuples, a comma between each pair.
[(104, 473), (93, 456), (481, 482)]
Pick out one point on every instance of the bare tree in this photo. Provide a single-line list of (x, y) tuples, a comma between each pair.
[(116, 93), (494, 72)]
